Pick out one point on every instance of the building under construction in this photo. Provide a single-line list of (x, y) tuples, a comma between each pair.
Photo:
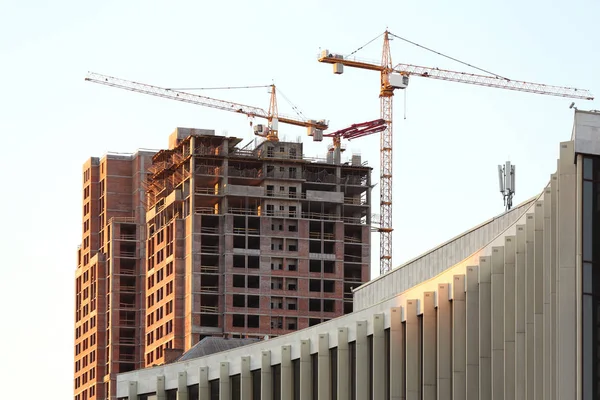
[(208, 238)]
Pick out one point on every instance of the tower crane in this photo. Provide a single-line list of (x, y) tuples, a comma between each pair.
[(315, 128), (396, 77), (353, 132)]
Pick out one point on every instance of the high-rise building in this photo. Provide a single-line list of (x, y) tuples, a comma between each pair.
[(207, 238), (249, 241), (109, 280)]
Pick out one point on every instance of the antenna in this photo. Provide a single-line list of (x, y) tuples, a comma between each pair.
[(506, 181)]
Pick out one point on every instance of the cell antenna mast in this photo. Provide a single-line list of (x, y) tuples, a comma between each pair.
[(506, 180)]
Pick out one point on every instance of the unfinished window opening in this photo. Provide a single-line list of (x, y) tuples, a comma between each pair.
[(253, 321), (208, 260), (347, 307), (239, 223), (328, 247), (253, 301), (292, 245), (314, 304), (238, 321), (239, 261), (239, 281), (329, 267), (239, 242), (276, 303), (276, 283), (209, 320), (314, 285), (292, 227), (270, 209), (292, 265), (210, 282), (291, 284), (270, 190), (276, 244), (292, 323), (253, 281), (253, 262), (293, 191), (314, 266), (314, 246), (209, 244), (291, 303), (328, 227), (253, 226), (254, 242), (276, 322), (292, 153), (239, 300), (328, 305), (328, 286), (209, 303), (313, 321), (276, 263)]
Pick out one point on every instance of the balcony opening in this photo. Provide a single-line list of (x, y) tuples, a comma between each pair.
[(328, 286), (314, 266), (239, 261), (329, 267), (239, 300), (328, 305), (253, 301), (328, 247), (314, 246), (238, 320), (239, 242), (314, 285), (253, 281), (239, 281), (253, 321), (209, 320), (314, 305), (253, 262), (254, 242)]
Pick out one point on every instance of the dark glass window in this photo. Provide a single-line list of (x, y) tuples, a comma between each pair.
[(590, 226)]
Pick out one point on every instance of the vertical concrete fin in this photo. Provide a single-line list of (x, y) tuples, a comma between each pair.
[(203, 385), (547, 317), (397, 366), (324, 378), (413, 356), (245, 379), (286, 373), (182, 389), (538, 296), (132, 391), (378, 356), (459, 339), (520, 321), (509, 316), (485, 328), (429, 337), (529, 306), (553, 286), (472, 333), (266, 377), (343, 365), (224, 382), (497, 322), (362, 368), (161, 394), (444, 343)]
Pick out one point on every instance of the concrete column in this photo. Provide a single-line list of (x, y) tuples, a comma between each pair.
[(397, 370), (343, 365), (324, 380), (224, 383), (379, 378), (547, 265), (566, 275), (182, 389), (553, 286), (161, 394), (485, 328), (203, 386), (413, 356), (472, 332), (444, 343), (362, 365), (429, 348), (266, 378), (509, 316), (538, 295), (497, 323), (245, 379), (520, 356), (132, 391), (306, 382), (459, 339), (286, 373), (529, 305)]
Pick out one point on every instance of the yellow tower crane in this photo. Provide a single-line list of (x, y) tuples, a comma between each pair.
[(396, 77)]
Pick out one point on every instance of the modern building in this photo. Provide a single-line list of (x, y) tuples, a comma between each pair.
[(507, 310), (109, 308), (207, 238)]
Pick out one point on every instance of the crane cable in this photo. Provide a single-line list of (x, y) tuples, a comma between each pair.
[(366, 44), (447, 56), (222, 87), (295, 108)]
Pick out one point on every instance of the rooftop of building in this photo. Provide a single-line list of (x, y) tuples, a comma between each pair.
[(210, 345)]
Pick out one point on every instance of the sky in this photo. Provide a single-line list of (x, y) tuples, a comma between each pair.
[(448, 137)]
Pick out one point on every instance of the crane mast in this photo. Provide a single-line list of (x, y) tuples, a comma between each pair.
[(397, 78)]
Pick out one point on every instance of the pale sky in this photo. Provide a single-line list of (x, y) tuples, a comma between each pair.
[(445, 151)]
